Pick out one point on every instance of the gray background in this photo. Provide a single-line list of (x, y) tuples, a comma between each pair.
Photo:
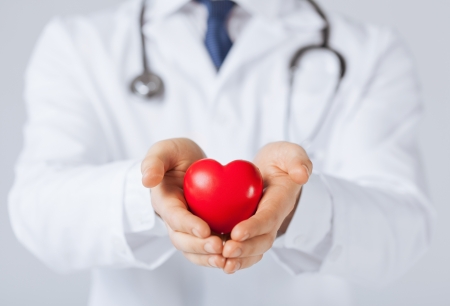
[(423, 24)]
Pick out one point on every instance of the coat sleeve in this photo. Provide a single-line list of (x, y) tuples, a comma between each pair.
[(366, 217), (72, 204)]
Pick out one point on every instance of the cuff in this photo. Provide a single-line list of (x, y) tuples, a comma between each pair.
[(308, 238), (146, 237), (139, 215), (311, 223)]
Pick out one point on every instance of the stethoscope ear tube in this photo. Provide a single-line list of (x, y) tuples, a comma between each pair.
[(147, 85)]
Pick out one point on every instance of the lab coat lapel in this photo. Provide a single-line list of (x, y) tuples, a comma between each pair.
[(256, 40), (272, 22), (181, 45), (315, 80)]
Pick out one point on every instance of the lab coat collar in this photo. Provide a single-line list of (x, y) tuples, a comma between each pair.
[(268, 9), (157, 9), (271, 25)]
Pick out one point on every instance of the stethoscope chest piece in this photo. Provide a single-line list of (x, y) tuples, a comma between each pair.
[(147, 85)]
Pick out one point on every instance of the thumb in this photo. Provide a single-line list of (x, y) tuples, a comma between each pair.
[(153, 171), (165, 155), (298, 170), (288, 157), (160, 158)]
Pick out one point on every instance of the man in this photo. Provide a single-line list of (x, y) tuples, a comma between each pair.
[(78, 200)]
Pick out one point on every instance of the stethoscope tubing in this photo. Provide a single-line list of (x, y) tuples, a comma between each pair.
[(294, 66), (149, 85)]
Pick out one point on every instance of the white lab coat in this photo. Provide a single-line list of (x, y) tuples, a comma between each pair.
[(77, 202)]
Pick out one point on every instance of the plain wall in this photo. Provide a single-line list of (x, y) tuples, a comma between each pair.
[(423, 25)]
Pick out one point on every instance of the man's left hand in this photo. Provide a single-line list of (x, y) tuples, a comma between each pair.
[(285, 168)]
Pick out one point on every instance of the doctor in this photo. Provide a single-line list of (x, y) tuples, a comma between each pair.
[(229, 89)]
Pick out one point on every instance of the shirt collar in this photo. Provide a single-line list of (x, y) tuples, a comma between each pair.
[(269, 9), (156, 9)]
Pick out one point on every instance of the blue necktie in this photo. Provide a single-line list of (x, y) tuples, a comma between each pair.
[(217, 40)]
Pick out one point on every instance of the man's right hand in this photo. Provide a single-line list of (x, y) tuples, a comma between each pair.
[(163, 171)]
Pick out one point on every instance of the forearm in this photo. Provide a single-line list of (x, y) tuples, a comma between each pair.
[(73, 217), (376, 233)]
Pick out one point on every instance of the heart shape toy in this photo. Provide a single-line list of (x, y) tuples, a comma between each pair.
[(223, 196)]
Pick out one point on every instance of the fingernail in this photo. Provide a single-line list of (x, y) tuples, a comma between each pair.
[(212, 262), (237, 266), (245, 237), (307, 170), (209, 248), (236, 253), (196, 233)]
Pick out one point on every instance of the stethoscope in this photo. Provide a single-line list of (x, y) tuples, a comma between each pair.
[(149, 85)]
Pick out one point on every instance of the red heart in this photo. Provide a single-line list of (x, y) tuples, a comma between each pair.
[(223, 196)]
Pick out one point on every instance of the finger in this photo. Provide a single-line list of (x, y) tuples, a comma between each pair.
[(234, 264), (287, 157), (178, 153), (251, 247), (160, 158), (213, 261), (181, 220), (153, 170), (191, 244), (262, 222), (276, 203), (299, 169)]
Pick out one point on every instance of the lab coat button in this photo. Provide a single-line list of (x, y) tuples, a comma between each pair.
[(336, 253), (299, 240)]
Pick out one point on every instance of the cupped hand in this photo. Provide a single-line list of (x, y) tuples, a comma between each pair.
[(163, 170), (285, 167)]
